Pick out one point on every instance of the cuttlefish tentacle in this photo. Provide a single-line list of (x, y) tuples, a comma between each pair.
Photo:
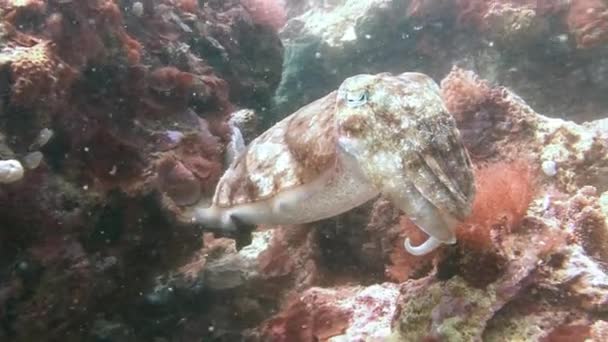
[(377, 134), (424, 248), (425, 215)]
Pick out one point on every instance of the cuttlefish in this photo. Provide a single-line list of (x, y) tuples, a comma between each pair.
[(376, 135)]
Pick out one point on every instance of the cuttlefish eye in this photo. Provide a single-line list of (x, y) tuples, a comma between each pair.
[(356, 99)]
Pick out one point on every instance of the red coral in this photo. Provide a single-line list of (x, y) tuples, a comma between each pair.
[(132, 48), (504, 192), (277, 260), (463, 92), (112, 159), (111, 15), (188, 5), (38, 76), (171, 79), (588, 22), (85, 36), (473, 13), (485, 115), (267, 12)]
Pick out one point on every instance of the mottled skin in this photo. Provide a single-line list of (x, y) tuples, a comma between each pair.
[(377, 134)]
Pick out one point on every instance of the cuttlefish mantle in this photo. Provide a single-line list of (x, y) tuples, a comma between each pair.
[(376, 135)]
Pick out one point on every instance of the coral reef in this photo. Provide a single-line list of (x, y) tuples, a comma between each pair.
[(115, 114), (108, 110)]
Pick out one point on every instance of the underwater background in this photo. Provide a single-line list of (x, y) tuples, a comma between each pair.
[(116, 116)]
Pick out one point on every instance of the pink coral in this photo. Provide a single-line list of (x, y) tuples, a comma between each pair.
[(267, 12)]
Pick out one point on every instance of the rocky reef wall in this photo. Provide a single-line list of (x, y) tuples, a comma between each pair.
[(111, 106)]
